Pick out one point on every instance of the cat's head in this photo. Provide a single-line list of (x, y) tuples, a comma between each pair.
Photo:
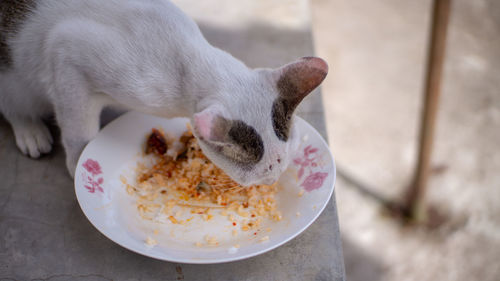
[(249, 131)]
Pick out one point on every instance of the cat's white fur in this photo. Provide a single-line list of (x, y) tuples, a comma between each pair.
[(74, 57)]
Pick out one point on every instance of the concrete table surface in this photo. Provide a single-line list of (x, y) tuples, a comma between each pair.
[(45, 236)]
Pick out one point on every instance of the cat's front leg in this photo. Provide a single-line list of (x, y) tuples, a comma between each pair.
[(79, 123), (78, 114), (22, 106)]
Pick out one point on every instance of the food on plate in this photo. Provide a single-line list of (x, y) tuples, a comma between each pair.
[(156, 143), (150, 242), (181, 183)]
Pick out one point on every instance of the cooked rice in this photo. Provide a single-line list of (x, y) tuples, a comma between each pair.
[(186, 178), (150, 241)]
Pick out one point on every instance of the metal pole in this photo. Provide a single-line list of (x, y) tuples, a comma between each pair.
[(415, 206)]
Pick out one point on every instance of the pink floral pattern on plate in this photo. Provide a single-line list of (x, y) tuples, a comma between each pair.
[(308, 164), (92, 182)]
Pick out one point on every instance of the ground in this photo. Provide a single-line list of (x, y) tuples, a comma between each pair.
[(373, 96)]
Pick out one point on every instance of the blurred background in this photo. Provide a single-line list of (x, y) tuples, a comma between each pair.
[(373, 100)]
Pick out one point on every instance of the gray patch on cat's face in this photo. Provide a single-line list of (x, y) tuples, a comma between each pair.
[(250, 142), (283, 108), (12, 14), (281, 115), (241, 142)]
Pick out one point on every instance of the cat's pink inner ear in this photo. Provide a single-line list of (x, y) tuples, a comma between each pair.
[(211, 126), (299, 78), (203, 124)]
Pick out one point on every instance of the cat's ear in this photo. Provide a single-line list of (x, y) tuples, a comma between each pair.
[(297, 79), (210, 126)]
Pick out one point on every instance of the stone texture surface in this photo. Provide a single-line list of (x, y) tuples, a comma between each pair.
[(45, 236)]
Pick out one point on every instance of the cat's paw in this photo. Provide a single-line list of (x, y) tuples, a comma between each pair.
[(33, 138)]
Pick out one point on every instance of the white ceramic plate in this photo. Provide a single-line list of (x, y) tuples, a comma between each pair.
[(306, 188)]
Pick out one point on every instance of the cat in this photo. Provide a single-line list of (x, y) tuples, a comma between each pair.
[(72, 58)]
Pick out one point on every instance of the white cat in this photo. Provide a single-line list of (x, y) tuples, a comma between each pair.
[(75, 57)]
